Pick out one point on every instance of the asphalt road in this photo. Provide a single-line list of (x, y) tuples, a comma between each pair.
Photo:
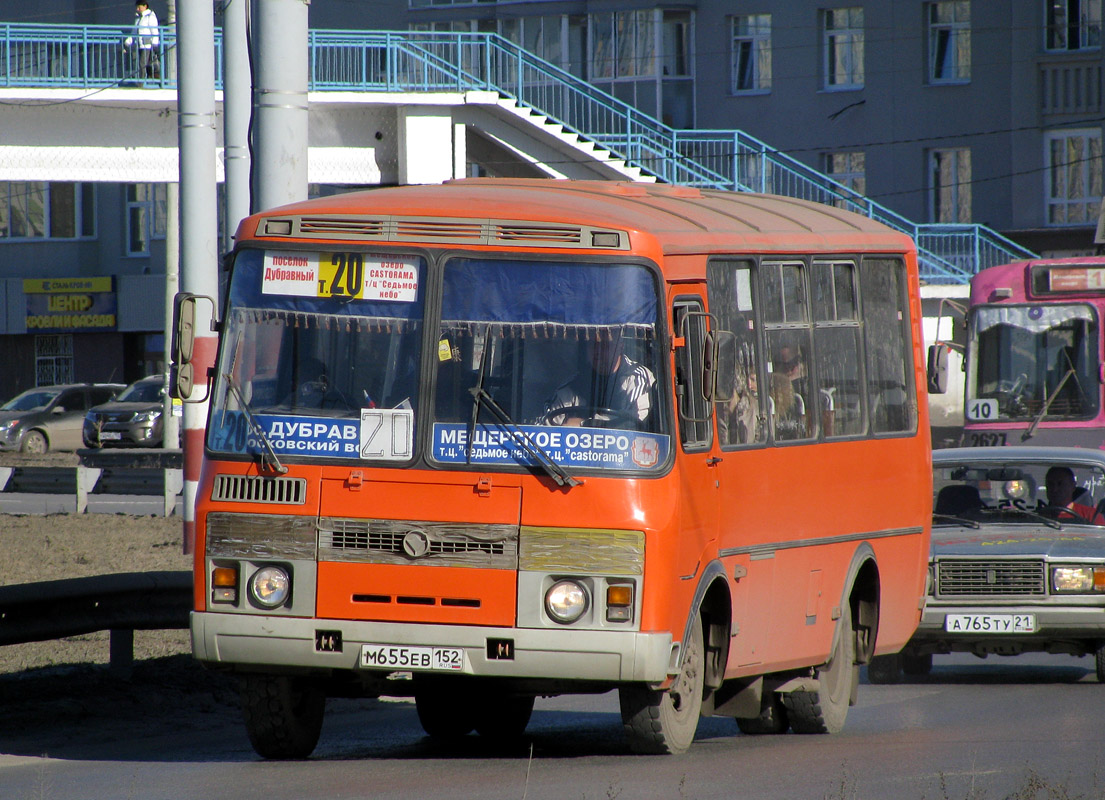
[(973, 729)]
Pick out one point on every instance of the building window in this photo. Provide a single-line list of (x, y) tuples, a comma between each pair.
[(147, 216), (950, 185), (750, 67), (950, 42), (1073, 163), (848, 169), (843, 48), (41, 210), (1073, 24), (53, 359), (624, 44), (542, 36)]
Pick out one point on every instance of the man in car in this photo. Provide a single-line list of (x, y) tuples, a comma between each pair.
[(1061, 495)]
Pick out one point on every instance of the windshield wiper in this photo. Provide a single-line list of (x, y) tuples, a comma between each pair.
[(269, 459), (536, 451), (1047, 404), (544, 460), (970, 523)]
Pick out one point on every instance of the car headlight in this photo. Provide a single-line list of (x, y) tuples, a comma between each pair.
[(269, 587), (1017, 489), (11, 424), (146, 416), (566, 601), (1083, 579)]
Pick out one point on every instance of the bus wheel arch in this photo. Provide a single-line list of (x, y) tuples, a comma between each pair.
[(665, 721), (819, 704)]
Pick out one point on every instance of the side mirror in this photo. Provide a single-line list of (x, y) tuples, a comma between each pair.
[(719, 365), (938, 368), (182, 370)]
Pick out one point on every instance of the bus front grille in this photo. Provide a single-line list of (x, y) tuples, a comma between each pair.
[(383, 541)]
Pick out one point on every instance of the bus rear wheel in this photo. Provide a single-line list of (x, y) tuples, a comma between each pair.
[(824, 709), (283, 714), (662, 722)]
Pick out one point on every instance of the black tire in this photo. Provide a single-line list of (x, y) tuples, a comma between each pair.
[(772, 720), (916, 665), (885, 669), (34, 442), (824, 709), (503, 719), (283, 714), (662, 722), (445, 709), (1099, 662)]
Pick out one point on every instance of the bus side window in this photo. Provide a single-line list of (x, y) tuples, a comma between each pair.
[(740, 417), (890, 387), (837, 339), (690, 402), (792, 410)]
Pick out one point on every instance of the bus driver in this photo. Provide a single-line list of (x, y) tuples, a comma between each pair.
[(617, 391)]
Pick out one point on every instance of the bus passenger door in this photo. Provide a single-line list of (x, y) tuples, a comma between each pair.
[(698, 473)]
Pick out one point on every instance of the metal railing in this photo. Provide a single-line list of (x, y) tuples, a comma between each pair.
[(92, 57)]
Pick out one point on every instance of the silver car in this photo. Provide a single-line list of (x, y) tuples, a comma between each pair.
[(1018, 558), (50, 417), (133, 419)]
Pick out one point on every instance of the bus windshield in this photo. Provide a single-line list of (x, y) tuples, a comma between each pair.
[(554, 355), (1033, 361), (320, 348), (532, 362)]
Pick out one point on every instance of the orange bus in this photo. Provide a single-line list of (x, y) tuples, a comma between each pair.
[(497, 439)]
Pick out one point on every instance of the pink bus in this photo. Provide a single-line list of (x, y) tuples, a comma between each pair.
[(1033, 354)]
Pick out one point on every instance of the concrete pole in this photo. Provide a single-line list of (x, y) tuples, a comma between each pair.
[(236, 111), (279, 29), (170, 431), (198, 220)]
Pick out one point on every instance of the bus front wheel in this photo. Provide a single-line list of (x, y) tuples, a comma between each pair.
[(661, 722), (283, 714), (824, 709)]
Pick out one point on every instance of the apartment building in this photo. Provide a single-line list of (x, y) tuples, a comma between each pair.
[(949, 111)]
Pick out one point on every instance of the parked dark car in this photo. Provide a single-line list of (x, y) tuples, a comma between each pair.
[(50, 417), (133, 419), (1018, 558)]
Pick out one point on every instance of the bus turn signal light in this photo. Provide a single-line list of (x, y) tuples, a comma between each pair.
[(619, 602), (224, 585)]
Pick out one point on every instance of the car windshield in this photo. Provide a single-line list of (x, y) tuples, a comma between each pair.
[(1033, 360), (31, 400), (1019, 491), (142, 392)]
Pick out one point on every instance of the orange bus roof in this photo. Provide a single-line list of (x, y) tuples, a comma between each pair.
[(682, 219)]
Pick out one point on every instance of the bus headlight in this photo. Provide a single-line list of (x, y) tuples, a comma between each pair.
[(269, 586), (566, 601)]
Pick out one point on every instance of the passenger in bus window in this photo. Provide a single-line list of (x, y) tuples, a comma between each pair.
[(614, 392), (786, 398), (739, 417)]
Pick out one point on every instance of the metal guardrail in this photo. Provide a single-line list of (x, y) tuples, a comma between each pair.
[(92, 57), (120, 603), (119, 472)]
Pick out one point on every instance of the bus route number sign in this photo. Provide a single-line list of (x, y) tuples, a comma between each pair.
[(400, 657), (983, 410)]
